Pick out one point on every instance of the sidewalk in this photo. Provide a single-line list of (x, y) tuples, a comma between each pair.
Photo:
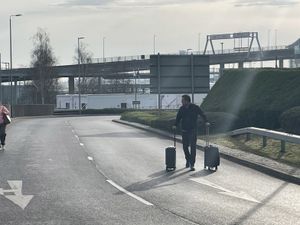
[(262, 164)]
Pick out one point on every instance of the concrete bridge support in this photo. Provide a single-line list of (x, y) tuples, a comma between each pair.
[(71, 85), (281, 63), (222, 66), (99, 84), (241, 65)]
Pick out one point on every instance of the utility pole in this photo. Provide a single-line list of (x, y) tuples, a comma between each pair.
[(79, 85)]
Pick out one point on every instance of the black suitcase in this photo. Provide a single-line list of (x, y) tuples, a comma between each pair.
[(171, 156), (211, 154)]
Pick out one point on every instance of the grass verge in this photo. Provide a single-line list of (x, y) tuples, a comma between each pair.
[(166, 118), (255, 146)]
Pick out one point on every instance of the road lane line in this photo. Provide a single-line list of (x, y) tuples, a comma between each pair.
[(224, 191), (129, 193)]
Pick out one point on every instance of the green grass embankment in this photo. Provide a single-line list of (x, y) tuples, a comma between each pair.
[(256, 96)]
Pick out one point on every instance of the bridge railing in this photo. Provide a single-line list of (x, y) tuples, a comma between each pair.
[(232, 51), (208, 52), (120, 58)]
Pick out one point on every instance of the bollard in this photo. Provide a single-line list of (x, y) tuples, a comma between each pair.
[(282, 146), (264, 141)]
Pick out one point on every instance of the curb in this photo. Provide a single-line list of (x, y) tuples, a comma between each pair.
[(292, 178)]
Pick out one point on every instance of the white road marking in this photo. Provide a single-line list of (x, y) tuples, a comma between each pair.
[(90, 158), (224, 191), (129, 193), (81, 144), (18, 198)]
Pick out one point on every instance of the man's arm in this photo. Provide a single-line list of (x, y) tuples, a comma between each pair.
[(201, 113), (178, 117)]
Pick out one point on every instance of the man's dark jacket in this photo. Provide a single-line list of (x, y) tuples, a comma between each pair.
[(189, 115)]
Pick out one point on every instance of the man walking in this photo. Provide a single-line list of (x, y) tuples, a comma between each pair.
[(188, 115)]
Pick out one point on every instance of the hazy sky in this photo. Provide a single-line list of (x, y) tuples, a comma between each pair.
[(129, 25)]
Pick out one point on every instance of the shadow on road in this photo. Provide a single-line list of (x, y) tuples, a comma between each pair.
[(255, 209), (202, 173), (158, 179), (121, 135)]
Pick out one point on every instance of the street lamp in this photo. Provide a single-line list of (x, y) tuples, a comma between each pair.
[(10, 44), (199, 36), (269, 31), (79, 85), (154, 40), (103, 49), (275, 38), (222, 44)]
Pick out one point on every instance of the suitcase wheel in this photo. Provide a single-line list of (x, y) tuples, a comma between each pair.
[(168, 169), (213, 168)]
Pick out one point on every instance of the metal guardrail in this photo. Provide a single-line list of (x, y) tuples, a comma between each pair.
[(283, 137)]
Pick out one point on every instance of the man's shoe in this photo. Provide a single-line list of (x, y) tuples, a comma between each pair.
[(2, 147), (192, 168), (187, 165)]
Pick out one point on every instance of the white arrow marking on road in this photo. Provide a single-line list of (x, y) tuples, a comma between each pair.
[(18, 198), (224, 191)]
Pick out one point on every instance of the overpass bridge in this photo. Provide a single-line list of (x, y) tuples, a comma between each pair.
[(128, 67)]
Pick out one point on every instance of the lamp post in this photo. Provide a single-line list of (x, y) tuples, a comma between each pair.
[(10, 45), (222, 44), (275, 39), (154, 40), (269, 32), (199, 36), (103, 49), (79, 85)]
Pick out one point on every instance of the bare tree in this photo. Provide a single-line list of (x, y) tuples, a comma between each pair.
[(43, 59), (87, 85)]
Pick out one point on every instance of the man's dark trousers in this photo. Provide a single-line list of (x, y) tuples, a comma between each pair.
[(189, 138)]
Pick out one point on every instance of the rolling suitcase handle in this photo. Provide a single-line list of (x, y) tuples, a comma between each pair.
[(207, 133), (175, 138)]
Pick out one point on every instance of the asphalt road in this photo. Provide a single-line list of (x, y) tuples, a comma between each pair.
[(89, 170)]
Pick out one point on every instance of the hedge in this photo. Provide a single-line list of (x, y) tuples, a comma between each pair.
[(220, 121), (290, 120)]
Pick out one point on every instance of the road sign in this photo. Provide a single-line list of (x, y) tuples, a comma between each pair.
[(178, 74), (136, 102)]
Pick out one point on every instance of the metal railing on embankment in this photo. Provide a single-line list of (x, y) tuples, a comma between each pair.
[(264, 133)]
